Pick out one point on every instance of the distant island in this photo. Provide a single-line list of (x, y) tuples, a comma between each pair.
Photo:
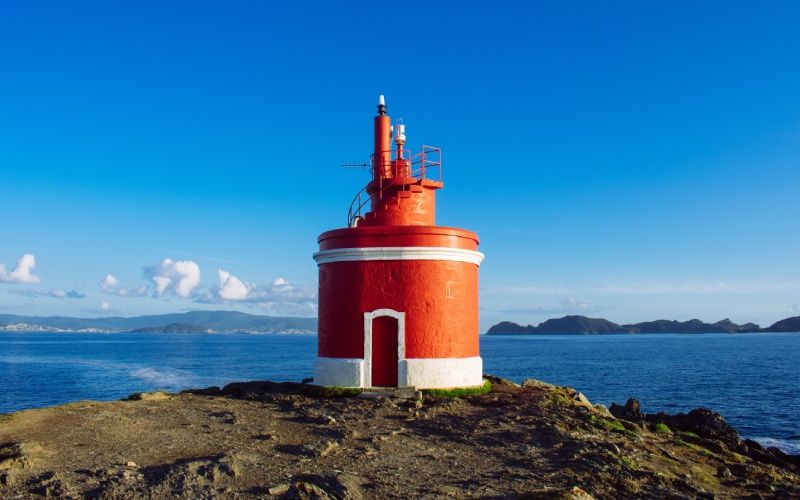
[(188, 322), (211, 322), (581, 325)]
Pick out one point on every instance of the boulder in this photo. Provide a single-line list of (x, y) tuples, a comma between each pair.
[(632, 411), (18, 455), (583, 400), (532, 382), (602, 410), (148, 396), (703, 422), (500, 381), (342, 486), (319, 449)]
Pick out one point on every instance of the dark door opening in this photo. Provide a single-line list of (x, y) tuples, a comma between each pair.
[(384, 351)]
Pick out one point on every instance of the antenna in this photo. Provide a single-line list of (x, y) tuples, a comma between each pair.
[(355, 165)]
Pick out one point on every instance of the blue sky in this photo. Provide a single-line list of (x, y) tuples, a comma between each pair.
[(627, 160)]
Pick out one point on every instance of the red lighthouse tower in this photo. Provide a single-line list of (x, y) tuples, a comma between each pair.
[(398, 295)]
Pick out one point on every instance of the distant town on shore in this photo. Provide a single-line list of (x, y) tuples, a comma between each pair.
[(239, 322)]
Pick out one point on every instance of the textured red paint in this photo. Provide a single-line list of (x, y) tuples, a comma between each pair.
[(399, 236), (405, 202), (384, 351), (439, 299)]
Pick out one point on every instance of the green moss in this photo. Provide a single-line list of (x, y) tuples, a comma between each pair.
[(459, 392), (333, 392), (148, 396), (558, 398), (691, 434), (608, 424), (628, 463), (737, 457), (662, 428), (694, 447)]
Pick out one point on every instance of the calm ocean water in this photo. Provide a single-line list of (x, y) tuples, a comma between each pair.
[(751, 379)]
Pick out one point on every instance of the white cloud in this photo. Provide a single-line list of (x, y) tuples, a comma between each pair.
[(719, 287), (109, 282), (179, 277), (230, 287), (272, 308), (109, 285), (279, 297), (105, 306), (566, 305), (706, 287), (22, 273), (56, 293)]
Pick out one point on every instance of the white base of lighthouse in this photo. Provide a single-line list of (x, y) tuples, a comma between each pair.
[(422, 373)]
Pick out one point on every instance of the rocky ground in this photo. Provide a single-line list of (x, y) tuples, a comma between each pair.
[(287, 440)]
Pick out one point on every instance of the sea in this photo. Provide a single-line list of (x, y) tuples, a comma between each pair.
[(753, 380)]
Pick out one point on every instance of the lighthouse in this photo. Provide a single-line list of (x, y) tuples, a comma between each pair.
[(398, 295)]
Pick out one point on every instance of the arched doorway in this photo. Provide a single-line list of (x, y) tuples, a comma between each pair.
[(384, 347)]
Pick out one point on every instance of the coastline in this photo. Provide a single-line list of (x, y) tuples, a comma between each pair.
[(288, 440)]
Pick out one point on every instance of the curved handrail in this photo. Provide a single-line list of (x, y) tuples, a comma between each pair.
[(352, 213), (429, 158)]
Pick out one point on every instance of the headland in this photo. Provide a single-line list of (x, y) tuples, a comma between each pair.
[(290, 440)]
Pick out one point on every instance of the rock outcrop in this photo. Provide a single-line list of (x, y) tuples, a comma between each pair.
[(708, 427), (287, 440)]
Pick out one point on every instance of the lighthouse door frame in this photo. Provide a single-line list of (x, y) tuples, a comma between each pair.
[(366, 374)]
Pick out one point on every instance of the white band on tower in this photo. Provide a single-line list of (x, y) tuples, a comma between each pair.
[(398, 253)]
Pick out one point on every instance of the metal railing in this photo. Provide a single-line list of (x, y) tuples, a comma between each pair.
[(419, 167)]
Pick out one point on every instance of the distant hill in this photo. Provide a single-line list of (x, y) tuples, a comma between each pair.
[(577, 325), (216, 321), (692, 326), (785, 325), (581, 325)]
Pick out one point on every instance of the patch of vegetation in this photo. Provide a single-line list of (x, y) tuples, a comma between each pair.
[(699, 449), (608, 424), (333, 391), (5, 418), (662, 428), (558, 398), (147, 396), (737, 457), (460, 391), (691, 434), (628, 462)]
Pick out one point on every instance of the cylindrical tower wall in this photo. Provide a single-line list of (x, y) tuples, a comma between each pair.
[(439, 299), (427, 277)]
